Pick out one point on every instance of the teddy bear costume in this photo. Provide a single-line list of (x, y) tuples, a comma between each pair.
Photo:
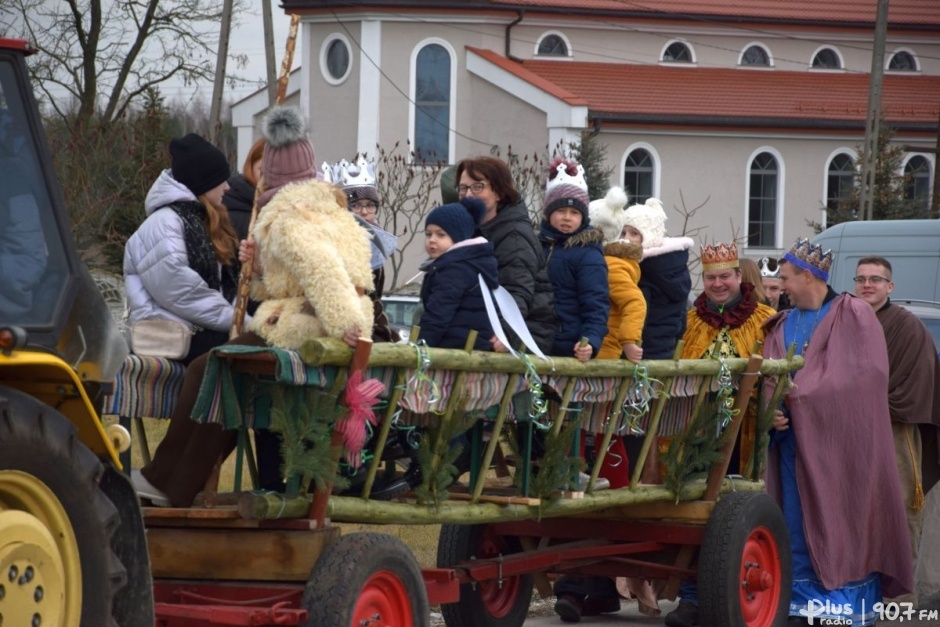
[(315, 256)]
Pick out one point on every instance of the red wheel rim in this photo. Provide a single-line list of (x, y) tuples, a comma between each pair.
[(498, 597), (760, 578), (383, 601)]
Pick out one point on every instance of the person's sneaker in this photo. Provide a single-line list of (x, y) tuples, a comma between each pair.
[(146, 490), (595, 606), (568, 607), (685, 615)]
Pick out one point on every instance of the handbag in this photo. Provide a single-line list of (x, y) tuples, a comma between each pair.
[(161, 338)]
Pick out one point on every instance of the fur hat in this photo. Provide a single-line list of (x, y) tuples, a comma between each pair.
[(650, 220), (607, 214), (288, 156), (458, 219), (197, 164), (566, 187)]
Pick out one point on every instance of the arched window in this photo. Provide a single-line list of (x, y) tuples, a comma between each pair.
[(755, 55), (553, 45), (432, 104), (638, 176), (827, 59), (840, 180), (917, 180), (902, 61), (335, 59), (762, 201), (677, 52)]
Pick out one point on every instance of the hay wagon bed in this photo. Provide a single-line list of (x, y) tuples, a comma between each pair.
[(268, 559)]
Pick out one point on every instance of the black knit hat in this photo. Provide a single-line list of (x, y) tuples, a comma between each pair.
[(197, 164), (459, 219)]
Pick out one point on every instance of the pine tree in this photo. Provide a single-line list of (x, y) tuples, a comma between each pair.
[(889, 201)]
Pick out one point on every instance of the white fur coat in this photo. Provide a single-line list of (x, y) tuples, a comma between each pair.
[(316, 262)]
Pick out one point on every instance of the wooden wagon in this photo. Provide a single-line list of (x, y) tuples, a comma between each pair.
[(279, 559)]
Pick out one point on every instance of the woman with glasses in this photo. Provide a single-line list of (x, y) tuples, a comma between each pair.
[(506, 224)]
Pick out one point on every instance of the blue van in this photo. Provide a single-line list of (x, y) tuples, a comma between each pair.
[(912, 247)]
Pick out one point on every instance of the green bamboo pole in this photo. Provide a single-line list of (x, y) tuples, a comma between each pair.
[(653, 425), (601, 453), (504, 404), (333, 352), (352, 509), (455, 394), (563, 407), (783, 385), (393, 401)]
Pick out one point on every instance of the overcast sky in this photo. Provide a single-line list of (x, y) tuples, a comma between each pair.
[(247, 38)]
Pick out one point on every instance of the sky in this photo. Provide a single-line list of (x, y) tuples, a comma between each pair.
[(247, 38)]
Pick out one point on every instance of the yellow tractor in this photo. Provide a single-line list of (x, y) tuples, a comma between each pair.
[(72, 542)]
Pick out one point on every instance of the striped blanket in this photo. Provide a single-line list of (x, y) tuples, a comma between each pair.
[(146, 387)]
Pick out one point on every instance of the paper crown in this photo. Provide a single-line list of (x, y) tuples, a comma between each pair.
[(720, 256), (812, 257), (562, 177), (765, 270), (346, 174)]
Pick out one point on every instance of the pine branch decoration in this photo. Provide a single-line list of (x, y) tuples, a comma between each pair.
[(304, 418), (695, 449), (437, 466), (557, 465)]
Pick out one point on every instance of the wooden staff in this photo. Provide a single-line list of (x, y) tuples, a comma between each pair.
[(244, 279)]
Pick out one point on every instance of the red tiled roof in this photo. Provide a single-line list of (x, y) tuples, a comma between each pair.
[(908, 12), (626, 92)]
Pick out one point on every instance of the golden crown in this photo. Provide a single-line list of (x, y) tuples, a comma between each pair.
[(719, 256), (812, 257)]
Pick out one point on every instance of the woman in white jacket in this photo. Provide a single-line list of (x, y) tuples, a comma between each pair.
[(181, 264)]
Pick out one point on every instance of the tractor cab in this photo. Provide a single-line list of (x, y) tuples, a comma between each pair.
[(48, 300)]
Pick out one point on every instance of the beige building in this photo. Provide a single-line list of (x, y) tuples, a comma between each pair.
[(753, 111)]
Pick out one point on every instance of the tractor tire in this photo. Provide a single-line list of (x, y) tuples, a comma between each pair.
[(56, 522), (487, 603), (366, 579), (745, 567)]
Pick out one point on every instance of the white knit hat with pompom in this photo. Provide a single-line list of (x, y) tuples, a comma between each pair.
[(607, 214), (650, 220)]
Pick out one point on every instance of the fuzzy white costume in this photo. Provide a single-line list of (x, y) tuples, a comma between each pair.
[(315, 258)]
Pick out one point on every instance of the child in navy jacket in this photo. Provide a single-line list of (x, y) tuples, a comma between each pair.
[(451, 296), (576, 265)]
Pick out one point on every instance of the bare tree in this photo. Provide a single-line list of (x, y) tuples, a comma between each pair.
[(408, 190), (99, 57)]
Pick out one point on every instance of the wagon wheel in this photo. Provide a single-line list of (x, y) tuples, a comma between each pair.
[(59, 530), (745, 567), (488, 603), (366, 579)]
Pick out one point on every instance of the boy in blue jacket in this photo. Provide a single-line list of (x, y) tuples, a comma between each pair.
[(575, 260), (451, 296)]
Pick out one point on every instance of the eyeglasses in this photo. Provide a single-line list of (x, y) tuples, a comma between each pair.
[(874, 280), (364, 206), (476, 188)]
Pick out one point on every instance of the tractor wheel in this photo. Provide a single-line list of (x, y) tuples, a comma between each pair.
[(745, 567), (487, 603), (57, 566), (366, 579)]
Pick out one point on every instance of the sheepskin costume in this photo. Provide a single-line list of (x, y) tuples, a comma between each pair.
[(315, 256), (316, 267)]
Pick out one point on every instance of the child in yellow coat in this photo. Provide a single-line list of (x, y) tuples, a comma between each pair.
[(623, 249)]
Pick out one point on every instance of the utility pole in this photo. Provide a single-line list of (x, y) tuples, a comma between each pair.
[(215, 111), (873, 120), (269, 61)]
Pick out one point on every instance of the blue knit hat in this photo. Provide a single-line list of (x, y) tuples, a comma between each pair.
[(458, 219)]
